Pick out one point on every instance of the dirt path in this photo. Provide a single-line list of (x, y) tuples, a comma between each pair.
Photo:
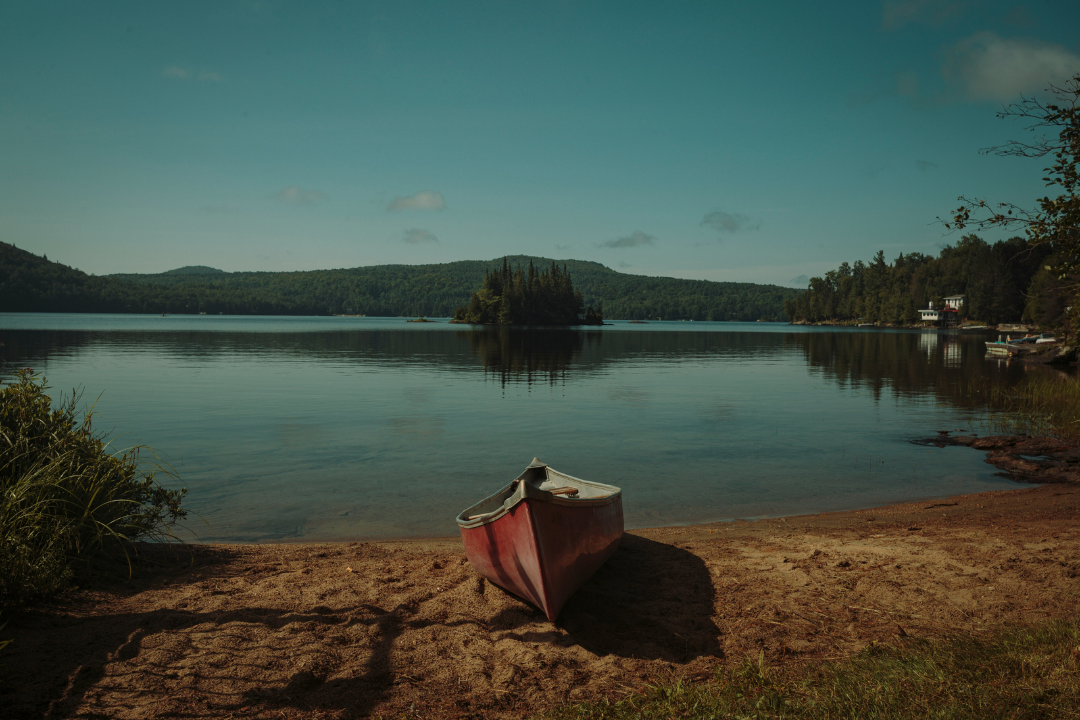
[(358, 629)]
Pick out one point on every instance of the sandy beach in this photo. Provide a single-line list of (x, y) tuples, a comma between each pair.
[(406, 627)]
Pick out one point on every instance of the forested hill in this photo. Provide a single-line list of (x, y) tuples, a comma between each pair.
[(1002, 282), (30, 283)]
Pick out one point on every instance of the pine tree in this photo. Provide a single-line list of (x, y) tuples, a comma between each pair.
[(527, 297)]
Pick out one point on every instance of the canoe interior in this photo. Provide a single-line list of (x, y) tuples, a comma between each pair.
[(536, 481)]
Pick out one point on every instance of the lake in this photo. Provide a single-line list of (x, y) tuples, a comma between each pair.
[(342, 428)]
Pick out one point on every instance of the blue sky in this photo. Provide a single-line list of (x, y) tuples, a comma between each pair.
[(747, 141)]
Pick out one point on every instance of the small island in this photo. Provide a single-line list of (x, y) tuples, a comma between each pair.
[(528, 297), (421, 319)]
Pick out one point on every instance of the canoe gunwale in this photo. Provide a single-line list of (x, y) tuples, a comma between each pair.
[(520, 489)]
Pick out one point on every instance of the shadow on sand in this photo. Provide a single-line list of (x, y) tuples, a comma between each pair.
[(650, 601)]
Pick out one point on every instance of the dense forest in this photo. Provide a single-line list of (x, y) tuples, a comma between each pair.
[(1006, 281), (517, 297), (30, 283)]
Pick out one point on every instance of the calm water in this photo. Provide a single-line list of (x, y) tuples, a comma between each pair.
[(343, 428)]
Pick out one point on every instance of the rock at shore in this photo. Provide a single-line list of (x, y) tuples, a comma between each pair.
[(1023, 458)]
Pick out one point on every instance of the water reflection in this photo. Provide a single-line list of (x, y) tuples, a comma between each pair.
[(907, 364), (512, 355), (528, 355), (362, 429), (900, 363)]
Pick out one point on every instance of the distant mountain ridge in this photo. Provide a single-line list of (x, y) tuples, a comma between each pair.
[(193, 270), (29, 283)]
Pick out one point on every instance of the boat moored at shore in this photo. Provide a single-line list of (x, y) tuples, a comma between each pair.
[(544, 535)]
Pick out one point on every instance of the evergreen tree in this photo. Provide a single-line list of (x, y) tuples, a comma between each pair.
[(995, 280), (528, 297)]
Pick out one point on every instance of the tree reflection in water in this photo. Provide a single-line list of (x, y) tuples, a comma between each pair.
[(952, 367), (529, 354)]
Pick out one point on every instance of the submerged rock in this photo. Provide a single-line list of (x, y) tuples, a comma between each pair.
[(1022, 458)]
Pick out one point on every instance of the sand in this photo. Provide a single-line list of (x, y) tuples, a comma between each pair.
[(407, 627)]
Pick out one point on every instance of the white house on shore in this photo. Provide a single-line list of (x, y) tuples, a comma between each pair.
[(945, 315), (955, 301)]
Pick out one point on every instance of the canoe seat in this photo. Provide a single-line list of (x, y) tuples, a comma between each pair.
[(568, 491)]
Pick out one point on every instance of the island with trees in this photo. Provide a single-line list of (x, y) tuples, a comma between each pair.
[(520, 297)]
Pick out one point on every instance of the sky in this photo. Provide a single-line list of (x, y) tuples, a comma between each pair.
[(737, 141)]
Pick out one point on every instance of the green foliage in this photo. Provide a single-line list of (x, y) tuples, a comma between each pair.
[(1018, 673), (29, 283), (1055, 223), (1048, 297), (514, 297), (994, 279), (69, 508)]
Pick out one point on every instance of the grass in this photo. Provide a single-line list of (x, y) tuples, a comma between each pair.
[(70, 506), (1019, 673), (1036, 406)]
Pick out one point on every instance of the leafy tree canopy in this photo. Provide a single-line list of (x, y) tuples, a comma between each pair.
[(1055, 222)]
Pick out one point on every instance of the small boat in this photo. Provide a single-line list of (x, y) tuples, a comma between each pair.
[(543, 535), (1009, 347), (1045, 339)]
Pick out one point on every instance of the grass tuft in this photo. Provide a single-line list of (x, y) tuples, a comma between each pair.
[(1040, 406), (70, 507), (1019, 673)]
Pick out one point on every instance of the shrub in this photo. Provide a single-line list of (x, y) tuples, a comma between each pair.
[(70, 507)]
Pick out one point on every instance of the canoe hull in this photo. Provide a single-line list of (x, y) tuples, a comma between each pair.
[(543, 551)]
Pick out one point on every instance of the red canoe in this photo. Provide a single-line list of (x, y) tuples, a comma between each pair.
[(543, 535)]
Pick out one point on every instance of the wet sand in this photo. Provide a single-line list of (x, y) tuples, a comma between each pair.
[(406, 627)]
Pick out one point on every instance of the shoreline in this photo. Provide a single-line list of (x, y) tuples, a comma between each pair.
[(1027, 461), (405, 626)]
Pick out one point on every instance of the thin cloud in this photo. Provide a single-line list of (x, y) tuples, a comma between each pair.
[(872, 170), (925, 165), (219, 209), (725, 222), (423, 200), (416, 236), (172, 71), (293, 195), (987, 67), (896, 14), (634, 239), (209, 76)]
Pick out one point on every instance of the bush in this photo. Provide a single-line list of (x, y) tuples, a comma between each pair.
[(70, 507)]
